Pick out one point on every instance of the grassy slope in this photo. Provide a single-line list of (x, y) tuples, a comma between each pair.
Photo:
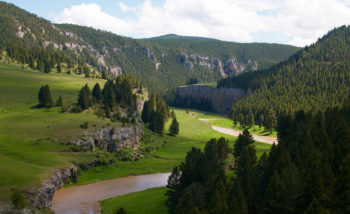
[(27, 152), (153, 202)]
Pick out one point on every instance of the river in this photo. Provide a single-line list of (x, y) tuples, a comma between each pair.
[(84, 199)]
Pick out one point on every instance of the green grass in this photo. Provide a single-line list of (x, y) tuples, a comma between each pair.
[(228, 123), (29, 152), (150, 201)]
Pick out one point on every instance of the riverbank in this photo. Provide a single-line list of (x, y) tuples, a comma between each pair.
[(80, 199)]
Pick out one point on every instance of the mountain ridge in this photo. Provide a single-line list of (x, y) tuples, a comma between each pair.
[(161, 64)]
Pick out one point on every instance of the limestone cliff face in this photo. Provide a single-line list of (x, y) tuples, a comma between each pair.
[(111, 139), (43, 196), (220, 99)]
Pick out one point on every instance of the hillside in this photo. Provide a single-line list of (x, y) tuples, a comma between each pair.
[(313, 79), (161, 63)]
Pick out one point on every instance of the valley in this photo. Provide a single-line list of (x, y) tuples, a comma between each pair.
[(35, 142), (96, 122)]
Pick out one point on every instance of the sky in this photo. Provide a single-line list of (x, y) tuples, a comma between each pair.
[(294, 22)]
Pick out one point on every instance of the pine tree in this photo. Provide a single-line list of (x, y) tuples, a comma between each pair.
[(146, 112), (47, 68), (187, 205), (84, 98), (271, 120), (59, 101), (242, 141), (174, 127), (96, 94), (104, 74), (31, 62), (261, 120), (121, 210), (44, 97), (59, 68)]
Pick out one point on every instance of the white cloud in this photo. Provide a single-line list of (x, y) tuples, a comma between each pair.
[(126, 8), (303, 21)]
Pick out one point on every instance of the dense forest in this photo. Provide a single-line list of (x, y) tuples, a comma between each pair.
[(314, 78), (307, 172), (158, 62)]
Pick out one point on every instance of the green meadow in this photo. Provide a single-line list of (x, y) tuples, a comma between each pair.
[(153, 202), (30, 147)]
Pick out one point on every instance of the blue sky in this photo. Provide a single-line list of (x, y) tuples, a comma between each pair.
[(296, 22)]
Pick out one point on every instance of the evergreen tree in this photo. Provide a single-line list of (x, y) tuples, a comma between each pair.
[(96, 94), (172, 114), (243, 140), (187, 205), (44, 97), (59, 68), (104, 74), (271, 120), (121, 210), (84, 98), (31, 62), (174, 127), (47, 68), (146, 112), (59, 101), (261, 120)]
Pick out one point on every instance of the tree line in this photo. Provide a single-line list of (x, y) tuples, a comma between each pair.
[(155, 113), (115, 95), (308, 171)]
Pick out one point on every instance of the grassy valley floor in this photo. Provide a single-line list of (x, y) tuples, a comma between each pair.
[(32, 140)]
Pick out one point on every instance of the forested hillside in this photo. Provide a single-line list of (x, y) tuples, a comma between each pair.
[(160, 63), (307, 172), (314, 78)]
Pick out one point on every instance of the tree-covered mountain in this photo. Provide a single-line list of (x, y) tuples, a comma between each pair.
[(160, 63), (314, 78)]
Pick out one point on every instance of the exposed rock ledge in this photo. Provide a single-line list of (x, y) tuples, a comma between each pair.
[(111, 139), (43, 196)]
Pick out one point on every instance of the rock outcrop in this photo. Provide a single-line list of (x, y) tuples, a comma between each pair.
[(43, 196), (111, 139), (219, 99), (232, 67)]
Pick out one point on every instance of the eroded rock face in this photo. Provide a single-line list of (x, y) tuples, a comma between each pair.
[(115, 71), (43, 196), (220, 99), (111, 139), (232, 67)]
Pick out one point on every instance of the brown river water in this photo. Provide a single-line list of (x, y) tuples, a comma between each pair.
[(84, 199)]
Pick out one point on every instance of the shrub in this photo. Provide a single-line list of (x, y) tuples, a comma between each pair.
[(18, 200), (84, 125)]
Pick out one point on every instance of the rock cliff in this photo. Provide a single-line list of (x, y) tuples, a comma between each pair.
[(207, 98), (111, 139), (43, 196)]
